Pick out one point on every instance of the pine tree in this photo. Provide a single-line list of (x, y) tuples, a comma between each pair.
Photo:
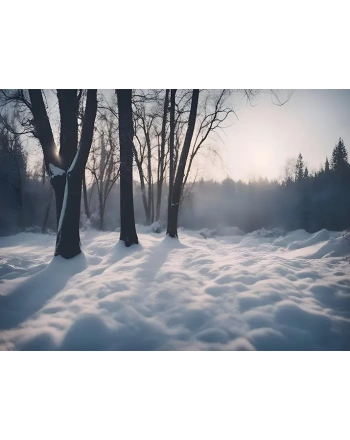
[(339, 156), (299, 169), (326, 165), (306, 173)]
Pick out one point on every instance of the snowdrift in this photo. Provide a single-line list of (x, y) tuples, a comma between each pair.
[(261, 291)]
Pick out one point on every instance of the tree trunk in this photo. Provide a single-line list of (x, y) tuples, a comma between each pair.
[(58, 184), (68, 239), (101, 210), (149, 179), (68, 104), (43, 132), (142, 183), (152, 203), (161, 165), (171, 148), (177, 189), (86, 204), (126, 134), (47, 212)]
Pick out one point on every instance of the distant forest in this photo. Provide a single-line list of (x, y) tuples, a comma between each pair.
[(301, 200)]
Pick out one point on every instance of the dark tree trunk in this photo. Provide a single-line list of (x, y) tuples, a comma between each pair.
[(152, 203), (149, 178), (143, 188), (101, 211), (86, 204), (68, 239), (58, 184), (43, 129), (47, 212), (161, 165), (43, 132), (126, 134), (177, 189), (68, 103), (171, 148)]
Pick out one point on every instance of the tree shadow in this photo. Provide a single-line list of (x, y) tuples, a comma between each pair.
[(158, 257), (120, 251), (31, 295)]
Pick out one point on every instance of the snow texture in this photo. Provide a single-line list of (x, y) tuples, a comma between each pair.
[(56, 171), (233, 292)]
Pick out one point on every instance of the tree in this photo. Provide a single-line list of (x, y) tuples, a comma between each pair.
[(212, 112), (104, 162), (64, 166), (126, 134), (13, 167), (146, 117), (326, 165), (68, 239), (85, 197), (180, 172), (299, 169), (161, 156), (339, 159), (171, 150), (56, 163)]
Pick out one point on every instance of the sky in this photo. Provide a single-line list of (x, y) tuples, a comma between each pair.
[(265, 136)]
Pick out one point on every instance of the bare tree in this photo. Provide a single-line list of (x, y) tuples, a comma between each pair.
[(145, 114), (126, 134), (171, 149), (85, 197), (180, 172), (212, 114), (13, 164), (104, 161), (68, 239), (56, 162), (161, 155)]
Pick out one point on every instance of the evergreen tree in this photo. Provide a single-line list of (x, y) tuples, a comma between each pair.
[(306, 173), (339, 156), (326, 165), (299, 169)]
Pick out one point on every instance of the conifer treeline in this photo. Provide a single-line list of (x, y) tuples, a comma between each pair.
[(305, 200)]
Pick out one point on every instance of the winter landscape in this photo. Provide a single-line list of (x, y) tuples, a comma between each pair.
[(126, 226)]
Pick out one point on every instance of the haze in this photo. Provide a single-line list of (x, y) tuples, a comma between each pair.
[(265, 136)]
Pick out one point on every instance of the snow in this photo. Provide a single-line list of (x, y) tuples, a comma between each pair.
[(229, 292), (56, 171), (73, 162)]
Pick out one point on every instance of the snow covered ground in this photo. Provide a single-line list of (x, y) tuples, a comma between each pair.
[(254, 291)]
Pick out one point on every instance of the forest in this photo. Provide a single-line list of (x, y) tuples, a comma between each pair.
[(166, 140)]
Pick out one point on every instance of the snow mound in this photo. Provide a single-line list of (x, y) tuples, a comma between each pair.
[(226, 231), (319, 236), (334, 247), (155, 228), (268, 233), (251, 292)]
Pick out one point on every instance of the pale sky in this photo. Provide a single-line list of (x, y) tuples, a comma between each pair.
[(266, 135)]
